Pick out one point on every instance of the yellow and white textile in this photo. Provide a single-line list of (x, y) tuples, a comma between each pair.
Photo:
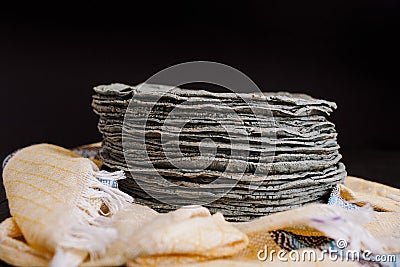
[(63, 216)]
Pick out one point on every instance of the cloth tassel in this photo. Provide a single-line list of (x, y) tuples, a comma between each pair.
[(92, 231), (67, 258), (341, 224)]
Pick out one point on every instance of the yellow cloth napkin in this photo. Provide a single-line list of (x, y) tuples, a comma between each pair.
[(63, 216)]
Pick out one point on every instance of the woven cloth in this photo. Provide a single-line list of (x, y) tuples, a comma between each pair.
[(65, 212)]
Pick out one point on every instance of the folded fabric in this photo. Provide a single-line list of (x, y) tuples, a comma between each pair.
[(59, 205), (65, 213)]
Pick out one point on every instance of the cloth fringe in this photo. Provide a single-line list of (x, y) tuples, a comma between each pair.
[(341, 224), (92, 232)]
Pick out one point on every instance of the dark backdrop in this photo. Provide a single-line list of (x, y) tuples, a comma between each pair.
[(344, 51)]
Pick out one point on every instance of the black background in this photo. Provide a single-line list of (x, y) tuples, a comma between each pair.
[(344, 51)]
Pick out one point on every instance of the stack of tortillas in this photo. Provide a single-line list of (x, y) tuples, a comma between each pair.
[(244, 155)]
